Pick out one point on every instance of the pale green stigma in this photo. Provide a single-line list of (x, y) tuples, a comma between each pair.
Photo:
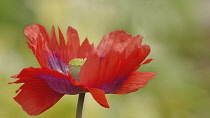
[(75, 67), (77, 62)]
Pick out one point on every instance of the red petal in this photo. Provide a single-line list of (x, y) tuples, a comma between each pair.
[(36, 96), (89, 71), (133, 61), (101, 72), (63, 48), (59, 82), (109, 67), (86, 49), (99, 96), (135, 81), (38, 37), (53, 46), (118, 41), (115, 75), (147, 61), (143, 52), (36, 31), (110, 73), (42, 45), (136, 42), (73, 43)]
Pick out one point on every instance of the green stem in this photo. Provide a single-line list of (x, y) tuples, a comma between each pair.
[(80, 105)]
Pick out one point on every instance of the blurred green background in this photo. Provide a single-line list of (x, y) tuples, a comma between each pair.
[(178, 32)]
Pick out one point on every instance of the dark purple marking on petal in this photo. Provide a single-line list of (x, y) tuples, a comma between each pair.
[(55, 63), (113, 86), (61, 85), (101, 58)]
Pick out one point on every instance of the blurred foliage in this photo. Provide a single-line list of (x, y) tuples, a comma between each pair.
[(176, 30)]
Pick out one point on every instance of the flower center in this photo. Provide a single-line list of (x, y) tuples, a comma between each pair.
[(75, 65)]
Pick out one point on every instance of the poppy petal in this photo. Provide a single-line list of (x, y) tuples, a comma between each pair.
[(135, 81), (86, 49), (56, 63), (147, 61), (59, 82), (73, 43), (43, 46), (110, 72), (135, 43), (114, 76), (101, 72), (62, 47), (36, 97), (116, 40), (99, 96), (143, 52), (53, 46), (89, 71), (109, 79), (38, 37), (134, 60)]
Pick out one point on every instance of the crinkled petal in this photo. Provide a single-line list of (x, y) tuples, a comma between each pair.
[(147, 61), (136, 42), (134, 60), (108, 79), (103, 73), (36, 96), (143, 53), (62, 48), (118, 41), (53, 46), (38, 37), (73, 43), (99, 96), (59, 82), (44, 46), (55, 63), (110, 72), (86, 49), (89, 72), (135, 81)]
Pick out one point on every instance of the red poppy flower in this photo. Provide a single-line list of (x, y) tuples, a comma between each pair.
[(110, 68)]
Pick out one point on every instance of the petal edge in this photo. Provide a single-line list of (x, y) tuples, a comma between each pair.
[(135, 81), (36, 97), (99, 96)]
